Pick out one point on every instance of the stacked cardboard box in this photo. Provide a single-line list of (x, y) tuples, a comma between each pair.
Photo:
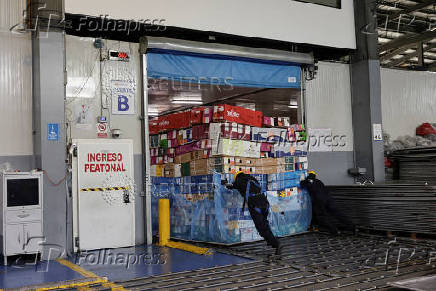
[(189, 161)]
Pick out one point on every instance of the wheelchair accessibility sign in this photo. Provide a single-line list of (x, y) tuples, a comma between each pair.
[(53, 131)]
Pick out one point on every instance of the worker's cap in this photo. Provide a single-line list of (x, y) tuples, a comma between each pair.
[(236, 174), (312, 172)]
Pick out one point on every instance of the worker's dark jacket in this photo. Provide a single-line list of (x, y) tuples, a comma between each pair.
[(256, 198), (317, 190)]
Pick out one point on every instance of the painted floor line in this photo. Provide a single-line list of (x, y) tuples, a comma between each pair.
[(77, 283), (88, 274)]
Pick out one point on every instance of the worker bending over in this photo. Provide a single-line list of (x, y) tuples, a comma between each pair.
[(324, 208), (258, 206)]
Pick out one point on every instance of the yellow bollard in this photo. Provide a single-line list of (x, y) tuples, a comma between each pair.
[(164, 221)]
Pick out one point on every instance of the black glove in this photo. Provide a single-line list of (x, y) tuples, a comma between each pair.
[(224, 182)]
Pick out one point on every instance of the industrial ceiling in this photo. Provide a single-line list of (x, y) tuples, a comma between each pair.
[(407, 34)]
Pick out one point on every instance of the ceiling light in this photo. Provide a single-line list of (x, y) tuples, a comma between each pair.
[(184, 96), (186, 102), (293, 106)]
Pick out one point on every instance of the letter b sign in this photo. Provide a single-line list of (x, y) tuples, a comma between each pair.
[(123, 103)]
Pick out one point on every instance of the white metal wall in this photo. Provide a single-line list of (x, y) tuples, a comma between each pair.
[(15, 83), (285, 20), (328, 102), (408, 99), (82, 61)]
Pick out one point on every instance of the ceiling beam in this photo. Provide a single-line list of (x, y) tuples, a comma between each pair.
[(395, 52), (396, 62), (406, 40), (412, 8), (404, 7), (404, 26)]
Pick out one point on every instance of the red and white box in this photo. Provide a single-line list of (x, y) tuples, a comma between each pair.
[(268, 121), (225, 112), (197, 115), (153, 126), (173, 143), (244, 132), (200, 131), (172, 134), (201, 115), (207, 115), (282, 121), (154, 152), (175, 120)]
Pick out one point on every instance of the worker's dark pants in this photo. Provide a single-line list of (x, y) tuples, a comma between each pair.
[(325, 213), (260, 218)]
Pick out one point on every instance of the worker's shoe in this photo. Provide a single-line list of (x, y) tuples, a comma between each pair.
[(279, 250)]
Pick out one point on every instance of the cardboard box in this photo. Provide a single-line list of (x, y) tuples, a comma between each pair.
[(225, 112), (156, 171), (200, 167), (246, 162), (173, 170), (153, 126), (186, 170), (201, 154), (207, 115), (175, 120), (275, 135), (285, 161), (230, 131), (184, 158), (200, 131), (267, 170), (201, 115), (197, 115), (268, 121), (282, 121), (172, 134), (237, 148), (266, 162), (154, 141)]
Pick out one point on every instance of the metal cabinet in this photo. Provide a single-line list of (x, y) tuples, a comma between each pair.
[(21, 217)]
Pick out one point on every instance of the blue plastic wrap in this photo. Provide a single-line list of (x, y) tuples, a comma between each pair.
[(204, 210)]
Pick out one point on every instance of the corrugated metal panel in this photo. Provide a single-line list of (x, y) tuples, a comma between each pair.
[(408, 99), (328, 102), (11, 13), (82, 61), (15, 94)]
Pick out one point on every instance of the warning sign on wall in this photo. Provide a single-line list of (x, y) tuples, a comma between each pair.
[(102, 131)]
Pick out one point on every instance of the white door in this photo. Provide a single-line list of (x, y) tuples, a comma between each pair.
[(105, 214), (14, 239), (32, 237)]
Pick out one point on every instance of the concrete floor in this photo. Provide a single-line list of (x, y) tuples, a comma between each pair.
[(311, 261), (114, 264)]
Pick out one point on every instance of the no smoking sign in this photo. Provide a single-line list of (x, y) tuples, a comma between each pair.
[(102, 130)]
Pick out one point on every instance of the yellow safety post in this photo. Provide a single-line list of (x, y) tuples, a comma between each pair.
[(164, 232), (164, 221)]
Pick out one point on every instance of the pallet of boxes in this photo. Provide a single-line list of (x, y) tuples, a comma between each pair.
[(192, 151)]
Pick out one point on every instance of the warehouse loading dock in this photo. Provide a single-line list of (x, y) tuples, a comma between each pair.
[(171, 113), (187, 132)]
